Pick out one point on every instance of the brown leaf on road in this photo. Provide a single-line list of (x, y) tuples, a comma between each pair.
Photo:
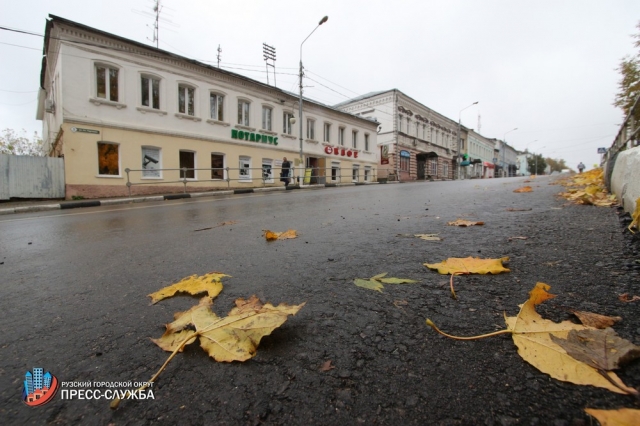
[(601, 349), (517, 238), (428, 237), (469, 265), (524, 189), (375, 282), (464, 223), (620, 417), (624, 297), (326, 366), (595, 320), (194, 285), (271, 236)]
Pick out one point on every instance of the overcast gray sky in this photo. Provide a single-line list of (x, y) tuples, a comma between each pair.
[(546, 67)]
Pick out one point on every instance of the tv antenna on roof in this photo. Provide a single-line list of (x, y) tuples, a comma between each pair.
[(156, 9), (269, 54)]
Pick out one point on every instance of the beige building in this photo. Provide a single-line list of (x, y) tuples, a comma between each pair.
[(414, 141), (129, 117)]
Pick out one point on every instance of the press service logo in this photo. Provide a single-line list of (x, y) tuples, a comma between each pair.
[(39, 388)]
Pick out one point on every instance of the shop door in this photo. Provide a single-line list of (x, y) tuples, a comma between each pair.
[(322, 171), (422, 162)]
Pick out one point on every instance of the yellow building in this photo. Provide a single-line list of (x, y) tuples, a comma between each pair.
[(131, 119)]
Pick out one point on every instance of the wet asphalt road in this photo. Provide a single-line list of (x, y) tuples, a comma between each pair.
[(74, 288)]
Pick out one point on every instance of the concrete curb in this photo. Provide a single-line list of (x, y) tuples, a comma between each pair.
[(116, 201), (625, 179)]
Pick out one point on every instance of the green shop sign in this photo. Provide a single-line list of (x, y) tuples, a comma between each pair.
[(253, 137)]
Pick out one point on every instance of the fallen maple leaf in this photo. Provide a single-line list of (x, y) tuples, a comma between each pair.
[(627, 299), (428, 237), (635, 223), (595, 320), (194, 285), (232, 338), (271, 236), (524, 189), (326, 366), (601, 349), (469, 265), (620, 417), (464, 223), (532, 334), (375, 282)]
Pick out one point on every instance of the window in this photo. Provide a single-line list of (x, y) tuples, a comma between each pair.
[(417, 128), (245, 169), (408, 125), (327, 132), (216, 106), (341, 136), (286, 123), (366, 142), (151, 162), (367, 173), (354, 139), (107, 82), (150, 92), (445, 170), (266, 117), (355, 172), (311, 129), (405, 158), (243, 112), (267, 170), (217, 166), (108, 159), (399, 123), (433, 166), (186, 100), (335, 171), (424, 131), (187, 161)]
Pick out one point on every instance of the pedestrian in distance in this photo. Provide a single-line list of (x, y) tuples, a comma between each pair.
[(581, 167), (285, 172)]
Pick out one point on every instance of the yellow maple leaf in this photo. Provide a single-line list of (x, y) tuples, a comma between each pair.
[(620, 417), (462, 222), (636, 217), (271, 236), (469, 265), (209, 283), (524, 189), (232, 338)]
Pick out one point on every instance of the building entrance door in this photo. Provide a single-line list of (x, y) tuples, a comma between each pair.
[(421, 161)]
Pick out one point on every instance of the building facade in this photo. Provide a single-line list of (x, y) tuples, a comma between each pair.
[(414, 142), (506, 159), (131, 119), (481, 153)]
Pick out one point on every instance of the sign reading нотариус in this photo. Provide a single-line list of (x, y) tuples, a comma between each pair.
[(253, 137)]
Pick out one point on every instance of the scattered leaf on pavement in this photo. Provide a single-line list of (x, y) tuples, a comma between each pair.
[(464, 223), (518, 238), (588, 188), (271, 236), (524, 189), (326, 366), (635, 223), (626, 298), (469, 265), (375, 282), (595, 320), (532, 334), (194, 285), (428, 237), (601, 349), (511, 209), (620, 417)]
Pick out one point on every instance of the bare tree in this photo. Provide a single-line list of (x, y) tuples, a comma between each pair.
[(19, 144)]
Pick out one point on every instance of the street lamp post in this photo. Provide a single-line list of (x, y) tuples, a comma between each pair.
[(322, 21), (504, 142), (460, 137)]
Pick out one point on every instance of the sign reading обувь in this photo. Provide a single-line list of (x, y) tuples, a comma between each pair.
[(253, 137)]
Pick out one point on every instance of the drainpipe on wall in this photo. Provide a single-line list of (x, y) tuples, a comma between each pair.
[(395, 132)]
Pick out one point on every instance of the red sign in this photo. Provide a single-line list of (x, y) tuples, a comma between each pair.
[(341, 151)]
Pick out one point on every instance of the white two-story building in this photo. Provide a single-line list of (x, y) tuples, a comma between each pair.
[(126, 116)]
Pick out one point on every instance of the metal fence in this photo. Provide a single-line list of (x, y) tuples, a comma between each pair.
[(627, 136), (23, 176), (267, 176)]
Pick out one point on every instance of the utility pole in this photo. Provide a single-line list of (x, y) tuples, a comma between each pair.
[(269, 54), (219, 52)]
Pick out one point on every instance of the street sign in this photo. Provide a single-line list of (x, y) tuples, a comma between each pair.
[(81, 130), (602, 150)]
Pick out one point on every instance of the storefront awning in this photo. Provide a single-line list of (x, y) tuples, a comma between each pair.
[(489, 165)]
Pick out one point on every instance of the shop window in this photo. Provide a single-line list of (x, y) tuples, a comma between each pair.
[(355, 173), (335, 171), (367, 174), (151, 162), (405, 158), (187, 161), (267, 170), (433, 166), (108, 159), (245, 169), (217, 166)]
